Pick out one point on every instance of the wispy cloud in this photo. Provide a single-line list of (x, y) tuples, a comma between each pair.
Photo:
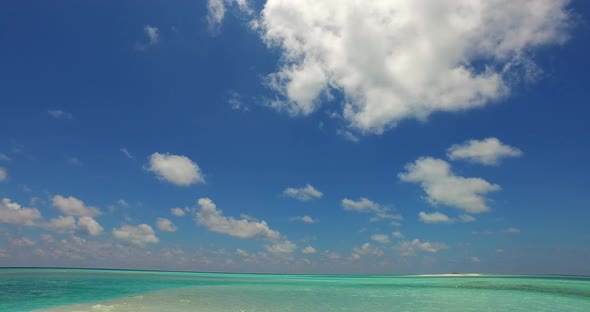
[(59, 114), (152, 33), (306, 219), (489, 151), (126, 153), (74, 161), (365, 205), (305, 193)]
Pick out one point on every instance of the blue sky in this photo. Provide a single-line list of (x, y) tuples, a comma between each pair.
[(299, 137)]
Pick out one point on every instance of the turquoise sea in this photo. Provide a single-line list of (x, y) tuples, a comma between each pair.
[(58, 290)]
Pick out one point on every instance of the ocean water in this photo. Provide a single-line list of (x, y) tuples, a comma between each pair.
[(60, 290)]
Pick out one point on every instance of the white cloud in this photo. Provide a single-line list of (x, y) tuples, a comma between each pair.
[(153, 34), (397, 234), (394, 60), (215, 14), (179, 212), (13, 213), (89, 226), (308, 250), (512, 230), (59, 114), (136, 235), (348, 135), (475, 260), (3, 174), (23, 242), (305, 193), (466, 218), (127, 153), (4, 157), (242, 253), (214, 220), (47, 238), (236, 103), (281, 247), (444, 187), (366, 249), (178, 170), (166, 225), (68, 224), (123, 203), (364, 205), (487, 152), (62, 224), (409, 248), (306, 219), (72, 206), (435, 217), (216, 10), (380, 238)]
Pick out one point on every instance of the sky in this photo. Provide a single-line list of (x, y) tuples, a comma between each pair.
[(355, 137)]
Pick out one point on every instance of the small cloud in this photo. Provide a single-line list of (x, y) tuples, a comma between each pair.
[(23, 188), (126, 153), (215, 14), (23, 242), (442, 186), (153, 38), (281, 247), (366, 249), (488, 152), (59, 114), (13, 213), (306, 219), (165, 225), (409, 248), (305, 193), (153, 34), (74, 161), (236, 102), (308, 250), (136, 235), (176, 169), (466, 218), (364, 205), (512, 230), (123, 203), (72, 206), (214, 220), (216, 10), (348, 135), (380, 238), (3, 174), (89, 226), (179, 212), (475, 260), (4, 157), (435, 217), (499, 250), (397, 234)]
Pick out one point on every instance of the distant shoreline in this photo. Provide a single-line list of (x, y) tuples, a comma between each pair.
[(448, 275), (297, 274)]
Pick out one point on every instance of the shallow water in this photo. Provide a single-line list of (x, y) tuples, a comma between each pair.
[(59, 290)]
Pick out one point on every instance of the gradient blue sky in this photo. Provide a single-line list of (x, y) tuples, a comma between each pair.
[(117, 104)]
